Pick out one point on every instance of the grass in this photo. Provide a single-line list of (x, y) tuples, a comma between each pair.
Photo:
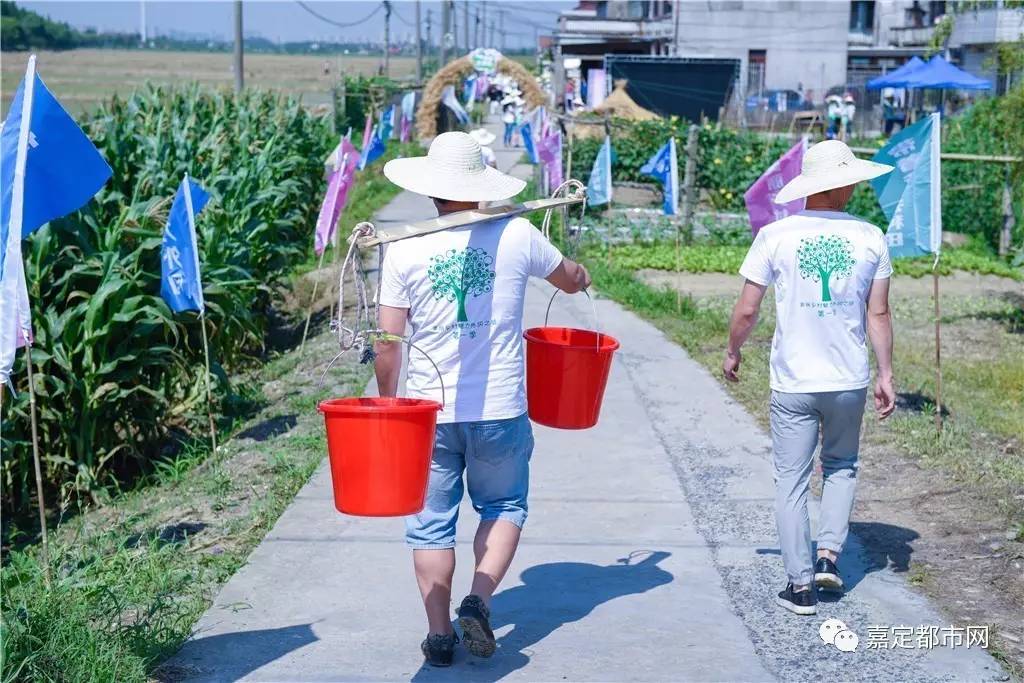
[(705, 258), (131, 578), (83, 78), (983, 388)]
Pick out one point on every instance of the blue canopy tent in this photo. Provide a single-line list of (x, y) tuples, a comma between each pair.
[(940, 75), (896, 78)]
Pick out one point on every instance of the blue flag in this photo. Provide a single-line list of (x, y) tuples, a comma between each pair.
[(663, 166), (60, 170), (387, 123), (526, 130), (63, 169), (374, 150), (180, 284), (910, 196), (599, 188)]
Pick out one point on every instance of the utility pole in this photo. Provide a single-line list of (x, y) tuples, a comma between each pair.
[(476, 29), (419, 47), (239, 73), (501, 29), (465, 20), (430, 45), (675, 38), (483, 24), (445, 25), (455, 26), (142, 22), (387, 39)]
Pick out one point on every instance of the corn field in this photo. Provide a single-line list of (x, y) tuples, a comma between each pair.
[(117, 372)]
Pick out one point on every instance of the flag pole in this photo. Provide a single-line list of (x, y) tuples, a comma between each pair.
[(938, 346), (36, 461), (16, 222), (202, 310), (209, 387), (312, 300), (936, 246)]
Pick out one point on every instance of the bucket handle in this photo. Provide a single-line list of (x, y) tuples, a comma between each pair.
[(385, 336), (593, 307)]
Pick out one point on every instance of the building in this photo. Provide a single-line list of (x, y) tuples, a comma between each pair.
[(809, 48)]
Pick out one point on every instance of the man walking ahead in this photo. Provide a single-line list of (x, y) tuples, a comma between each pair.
[(831, 274), (462, 293)]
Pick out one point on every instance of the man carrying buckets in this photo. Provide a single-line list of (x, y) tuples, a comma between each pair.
[(462, 292), (831, 274)]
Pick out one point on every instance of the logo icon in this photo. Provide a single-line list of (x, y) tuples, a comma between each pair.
[(823, 257), (835, 632), (456, 275)]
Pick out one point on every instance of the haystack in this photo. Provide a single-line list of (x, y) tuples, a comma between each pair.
[(620, 105), (455, 73)]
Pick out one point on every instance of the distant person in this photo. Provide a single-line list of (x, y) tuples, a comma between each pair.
[(462, 292), (849, 111), (508, 117), (484, 138), (892, 115), (831, 275), (834, 114)]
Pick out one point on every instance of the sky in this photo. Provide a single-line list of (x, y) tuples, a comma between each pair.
[(287, 20)]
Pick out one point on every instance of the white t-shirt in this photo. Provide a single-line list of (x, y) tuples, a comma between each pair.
[(464, 289), (822, 264)]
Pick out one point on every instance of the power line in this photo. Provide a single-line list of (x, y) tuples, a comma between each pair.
[(338, 23)]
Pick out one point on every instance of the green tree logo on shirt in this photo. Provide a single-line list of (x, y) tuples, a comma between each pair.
[(823, 257), (456, 275)]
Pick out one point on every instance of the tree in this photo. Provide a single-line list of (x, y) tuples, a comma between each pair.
[(456, 275), (822, 257)]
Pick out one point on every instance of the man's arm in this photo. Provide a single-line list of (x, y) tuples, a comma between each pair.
[(388, 364), (744, 317), (570, 277), (879, 323)]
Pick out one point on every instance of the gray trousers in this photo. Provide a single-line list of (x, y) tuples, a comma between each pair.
[(795, 420)]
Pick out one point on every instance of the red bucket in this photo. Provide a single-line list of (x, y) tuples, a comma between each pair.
[(566, 373), (380, 451)]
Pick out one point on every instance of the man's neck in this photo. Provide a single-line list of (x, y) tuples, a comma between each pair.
[(821, 206), (454, 207)]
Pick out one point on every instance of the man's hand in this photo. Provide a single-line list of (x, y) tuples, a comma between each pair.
[(885, 397), (570, 277), (731, 365)]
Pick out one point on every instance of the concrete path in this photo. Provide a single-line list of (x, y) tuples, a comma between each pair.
[(650, 555)]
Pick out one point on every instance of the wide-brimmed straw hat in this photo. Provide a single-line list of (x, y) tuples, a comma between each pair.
[(454, 170), (482, 136), (826, 166)]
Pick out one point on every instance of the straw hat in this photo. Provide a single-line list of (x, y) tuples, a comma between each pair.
[(454, 170), (482, 136), (826, 166)]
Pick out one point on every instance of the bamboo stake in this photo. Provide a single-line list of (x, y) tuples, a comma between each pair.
[(209, 383), (38, 466), (312, 301)]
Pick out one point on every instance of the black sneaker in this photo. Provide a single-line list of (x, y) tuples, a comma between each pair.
[(439, 649), (804, 602), (476, 629), (826, 575)]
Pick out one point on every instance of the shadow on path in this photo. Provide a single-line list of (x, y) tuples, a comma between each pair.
[(235, 655), (551, 595)]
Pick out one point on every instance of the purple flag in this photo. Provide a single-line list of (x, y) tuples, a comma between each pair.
[(337, 194), (406, 129), (368, 129), (760, 197), (549, 149)]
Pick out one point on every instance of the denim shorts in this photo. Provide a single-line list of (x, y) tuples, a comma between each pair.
[(495, 455)]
